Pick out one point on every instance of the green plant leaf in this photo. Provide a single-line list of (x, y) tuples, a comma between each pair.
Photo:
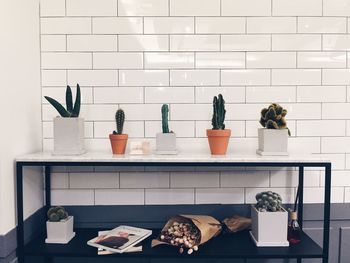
[(69, 99), (76, 109), (61, 110)]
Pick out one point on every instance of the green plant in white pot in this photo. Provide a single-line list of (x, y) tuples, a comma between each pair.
[(68, 127), (269, 221), (273, 137), (165, 140), (59, 226)]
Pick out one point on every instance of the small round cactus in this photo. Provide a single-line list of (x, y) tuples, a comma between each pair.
[(268, 202), (56, 214)]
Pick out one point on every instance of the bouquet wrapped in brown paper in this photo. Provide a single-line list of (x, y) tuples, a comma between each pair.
[(188, 232)]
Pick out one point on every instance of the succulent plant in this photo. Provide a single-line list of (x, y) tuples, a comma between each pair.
[(72, 111), (219, 113), (119, 120), (268, 202), (165, 118), (273, 117), (56, 214)]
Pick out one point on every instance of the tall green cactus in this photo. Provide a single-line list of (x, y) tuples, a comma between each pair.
[(165, 118), (119, 119), (268, 202), (273, 117), (219, 112), (71, 111)]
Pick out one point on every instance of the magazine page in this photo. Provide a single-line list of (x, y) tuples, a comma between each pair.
[(101, 251), (120, 239)]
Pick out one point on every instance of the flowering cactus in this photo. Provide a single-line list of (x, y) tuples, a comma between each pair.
[(273, 117)]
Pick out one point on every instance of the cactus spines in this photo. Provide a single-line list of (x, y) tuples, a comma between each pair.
[(72, 111), (119, 120), (56, 214), (219, 112), (268, 202), (165, 118), (273, 117)]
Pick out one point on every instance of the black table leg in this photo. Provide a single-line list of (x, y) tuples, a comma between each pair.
[(47, 187), (20, 227), (301, 196), (327, 211)]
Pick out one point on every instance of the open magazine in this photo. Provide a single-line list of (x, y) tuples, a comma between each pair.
[(120, 239), (101, 251)]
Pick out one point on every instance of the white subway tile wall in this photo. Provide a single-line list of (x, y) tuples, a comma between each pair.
[(139, 54)]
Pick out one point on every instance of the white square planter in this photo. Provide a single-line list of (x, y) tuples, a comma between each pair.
[(60, 232), (68, 136), (273, 141), (269, 229), (166, 143)]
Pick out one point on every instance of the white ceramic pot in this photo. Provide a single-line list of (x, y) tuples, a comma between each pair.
[(166, 143), (68, 136), (273, 141), (269, 229), (60, 232)]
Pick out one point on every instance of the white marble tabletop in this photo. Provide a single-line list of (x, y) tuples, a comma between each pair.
[(93, 156)]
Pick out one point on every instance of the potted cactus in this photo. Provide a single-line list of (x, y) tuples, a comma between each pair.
[(165, 140), (68, 129), (59, 226), (117, 138), (267, 215), (273, 137), (218, 136)]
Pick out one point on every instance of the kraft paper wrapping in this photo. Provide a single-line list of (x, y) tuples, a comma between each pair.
[(237, 223), (208, 227)]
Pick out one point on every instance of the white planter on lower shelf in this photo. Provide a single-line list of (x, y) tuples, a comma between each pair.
[(60, 232), (68, 136), (273, 141), (269, 229)]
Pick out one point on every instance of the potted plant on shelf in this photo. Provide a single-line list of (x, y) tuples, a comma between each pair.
[(59, 226), (117, 138), (218, 136), (165, 140), (273, 137), (269, 221), (68, 129)]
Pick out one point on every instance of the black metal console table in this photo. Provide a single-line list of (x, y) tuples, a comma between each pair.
[(225, 247)]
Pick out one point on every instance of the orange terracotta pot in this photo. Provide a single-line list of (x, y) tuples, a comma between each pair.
[(118, 143), (218, 141)]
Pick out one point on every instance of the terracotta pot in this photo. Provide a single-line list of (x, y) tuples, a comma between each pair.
[(218, 141), (118, 143)]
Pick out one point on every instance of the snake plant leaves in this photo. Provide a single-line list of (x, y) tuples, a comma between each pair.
[(61, 110), (71, 111), (76, 109), (69, 99)]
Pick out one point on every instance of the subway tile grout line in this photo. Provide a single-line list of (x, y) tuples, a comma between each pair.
[(41, 75)]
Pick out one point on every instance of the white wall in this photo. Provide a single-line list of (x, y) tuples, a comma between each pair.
[(20, 106), (138, 54)]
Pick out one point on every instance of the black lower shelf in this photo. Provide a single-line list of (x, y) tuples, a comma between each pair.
[(224, 246)]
